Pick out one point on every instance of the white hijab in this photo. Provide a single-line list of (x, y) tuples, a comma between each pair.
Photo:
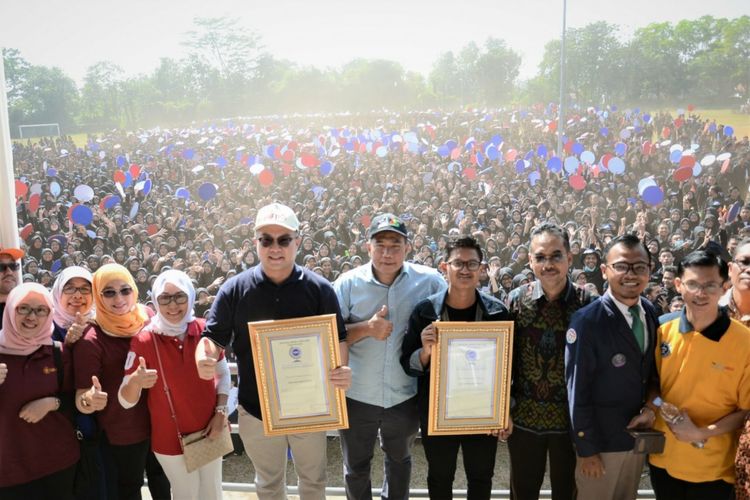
[(158, 323), (60, 316)]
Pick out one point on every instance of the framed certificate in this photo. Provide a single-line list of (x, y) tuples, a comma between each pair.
[(470, 373), (293, 358)]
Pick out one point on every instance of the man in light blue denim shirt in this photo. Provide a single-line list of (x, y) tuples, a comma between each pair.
[(376, 301)]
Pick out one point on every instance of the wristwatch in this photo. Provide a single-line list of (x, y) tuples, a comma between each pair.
[(223, 409)]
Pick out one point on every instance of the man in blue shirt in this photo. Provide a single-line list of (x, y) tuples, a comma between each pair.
[(376, 300), (275, 289)]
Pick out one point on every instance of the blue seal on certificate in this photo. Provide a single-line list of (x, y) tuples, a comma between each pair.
[(295, 353), (471, 355)]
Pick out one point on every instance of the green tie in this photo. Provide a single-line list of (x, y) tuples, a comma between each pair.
[(637, 325)]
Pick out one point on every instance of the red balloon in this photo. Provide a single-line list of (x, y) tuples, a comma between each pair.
[(309, 160), (26, 231), (288, 155), (665, 132), (21, 189), (70, 212), (683, 174), (646, 148), (286, 169), (725, 166), (152, 229), (511, 155), (455, 153), (552, 126), (691, 108), (577, 182), (119, 176), (34, 201), (135, 171), (292, 145), (687, 161), (678, 122), (605, 159), (366, 220), (470, 173), (265, 178)]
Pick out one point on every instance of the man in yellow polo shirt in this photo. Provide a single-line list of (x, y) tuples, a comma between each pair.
[(703, 360)]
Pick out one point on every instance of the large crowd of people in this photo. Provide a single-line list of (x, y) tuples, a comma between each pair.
[(140, 243)]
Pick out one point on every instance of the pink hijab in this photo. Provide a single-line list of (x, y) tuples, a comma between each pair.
[(11, 341)]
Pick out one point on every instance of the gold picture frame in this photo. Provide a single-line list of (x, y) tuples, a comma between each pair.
[(292, 359), (470, 374)]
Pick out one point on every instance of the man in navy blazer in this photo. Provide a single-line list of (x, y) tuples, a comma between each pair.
[(609, 367)]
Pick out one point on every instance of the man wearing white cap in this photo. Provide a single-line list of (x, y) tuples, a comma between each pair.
[(9, 266), (276, 289)]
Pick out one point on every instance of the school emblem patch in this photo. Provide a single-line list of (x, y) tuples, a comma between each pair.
[(665, 349), (571, 336), (618, 360)]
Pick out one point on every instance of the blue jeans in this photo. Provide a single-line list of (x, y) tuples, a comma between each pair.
[(398, 427)]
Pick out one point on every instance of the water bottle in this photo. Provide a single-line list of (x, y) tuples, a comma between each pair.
[(671, 414)]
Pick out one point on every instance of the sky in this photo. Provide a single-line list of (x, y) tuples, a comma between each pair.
[(135, 34)]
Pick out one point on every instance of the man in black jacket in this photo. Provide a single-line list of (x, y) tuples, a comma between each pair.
[(609, 363), (462, 302)]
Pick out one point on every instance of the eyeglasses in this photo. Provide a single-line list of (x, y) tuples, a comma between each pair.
[(111, 294), (624, 267), (178, 298), (742, 264), (72, 290), (41, 311), (709, 288), (282, 241), (13, 266), (471, 265), (552, 259)]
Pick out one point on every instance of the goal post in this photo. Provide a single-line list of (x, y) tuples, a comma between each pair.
[(39, 130)]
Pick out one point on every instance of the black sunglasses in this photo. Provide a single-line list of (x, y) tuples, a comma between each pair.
[(282, 241), (13, 266), (111, 294)]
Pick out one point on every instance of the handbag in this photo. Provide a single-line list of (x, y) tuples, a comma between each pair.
[(648, 441), (197, 448)]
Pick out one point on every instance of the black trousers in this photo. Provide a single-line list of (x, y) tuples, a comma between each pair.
[(123, 469), (56, 486), (528, 461), (479, 463), (667, 487)]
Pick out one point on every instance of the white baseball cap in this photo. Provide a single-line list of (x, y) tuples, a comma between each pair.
[(277, 214)]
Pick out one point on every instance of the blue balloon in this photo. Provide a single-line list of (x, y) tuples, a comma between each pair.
[(675, 156), (578, 148), (529, 155), (620, 148), (604, 131), (147, 186), (616, 165), (188, 154), (444, 151), (207, 191), (451, 144), (51, 172), (712, 128), (221, 162), (182, 193), (534, 177), (492, 152), (82, 215), (480, 158), (520, 166), (326, 168), (728, 131), (496, 139), (541, 151), (121, 161), (128, 180), (111, 201), (571, 164), (56, 266), (554, 164), (646, 117)]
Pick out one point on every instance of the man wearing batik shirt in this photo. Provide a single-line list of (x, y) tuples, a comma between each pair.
[(737, 302), (539, 410)]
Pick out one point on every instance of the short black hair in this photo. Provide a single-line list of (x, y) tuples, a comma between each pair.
[(702, 258), (554, 230), (669, 269), (629, 241), (463, 242)]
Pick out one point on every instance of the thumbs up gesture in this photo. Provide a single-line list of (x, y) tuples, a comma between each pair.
[(95, 397), (205, 359), (75, 332), (3, 372), (380, 327), (143, 377)]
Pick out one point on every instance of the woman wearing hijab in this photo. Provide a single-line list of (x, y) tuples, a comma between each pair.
[(73, 304), (199, 405), (38, 450), (98, 358)]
